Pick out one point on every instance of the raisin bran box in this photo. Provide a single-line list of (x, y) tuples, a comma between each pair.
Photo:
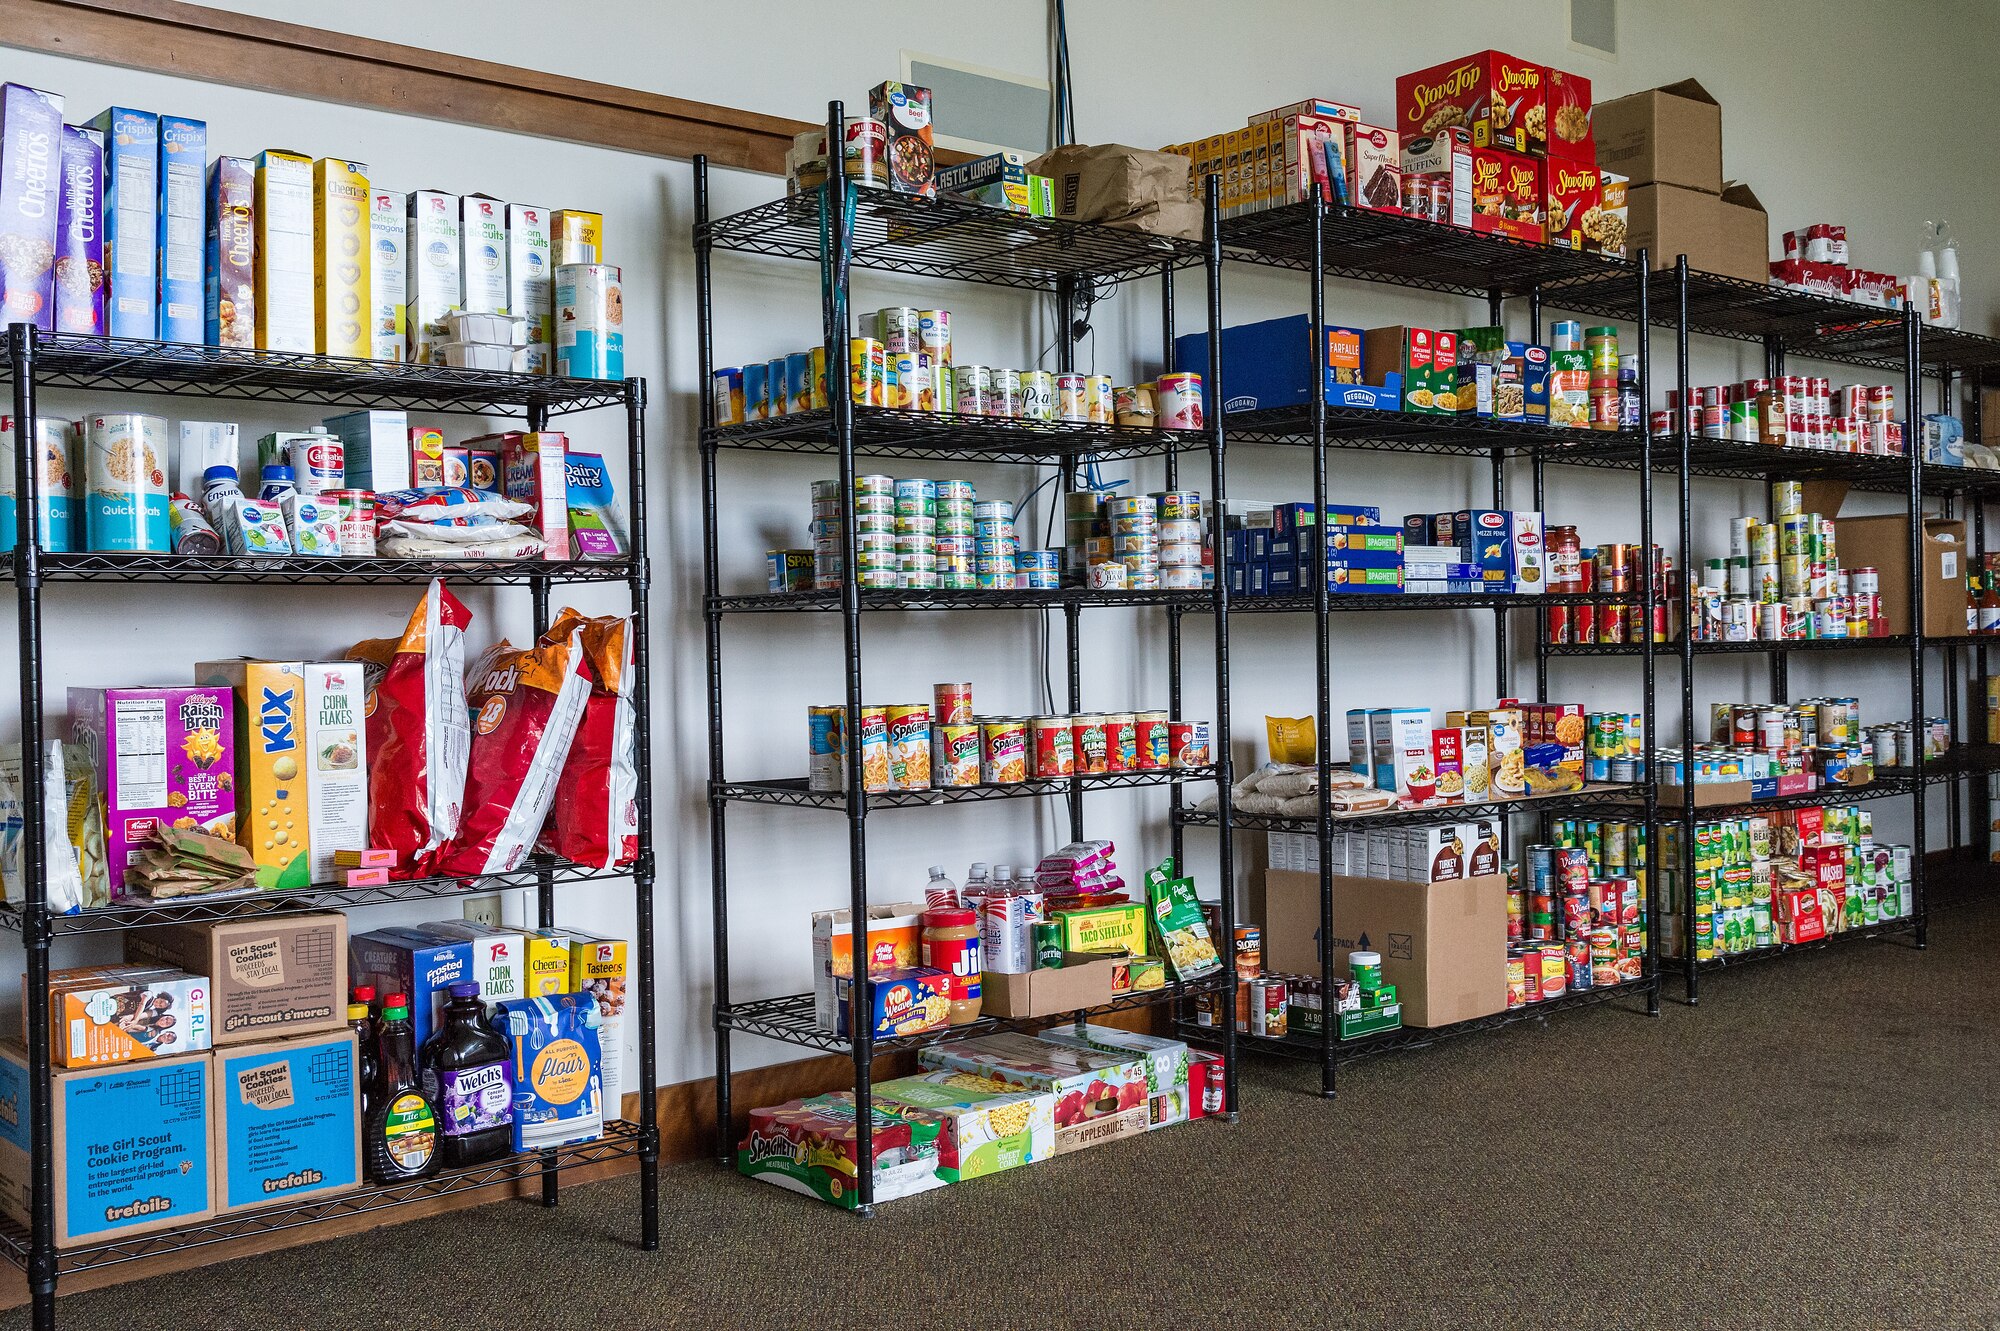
[(159, 757)]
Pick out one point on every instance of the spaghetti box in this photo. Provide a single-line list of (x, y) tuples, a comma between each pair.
[(287, 1120), (554, 1055), (269, 975), (375, 449), (411, 961), (1364, 579), (131, 218), (1362, 538), (1269, 364), (183, 228), (1348, 560), (131, 1146), (160, 756)]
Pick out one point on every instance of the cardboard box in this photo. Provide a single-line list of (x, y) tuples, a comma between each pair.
[(31, 148), (1665, 136), (577, 237), (413, 962), (1669, 221), (599, 967), (1047, 992), (548, 954), (436, 286), (1107, 1128), (1507, 194), (482, 238), (107, 1185), (336, 764), (122, 1014), (1087, 1083), (531, 281), (972, 1145), (1269, 363), (284, 259), (287, 1117), (499, 957), (159, 755), (1374, 160), (375, 449), (1443, 945), (229, 286), (270, 729), (1884, 543), (343, 241), (892, 945), (1500, 97), (1743, 235), (535, 467), (79, 264), (388, 274), (272, 975), (183, 233), (1411, 353)]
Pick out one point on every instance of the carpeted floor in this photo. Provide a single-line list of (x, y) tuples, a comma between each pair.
[(1812, 1147)]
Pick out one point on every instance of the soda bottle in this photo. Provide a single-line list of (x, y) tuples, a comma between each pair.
[(366, 1065), (466, 1076), (400, 1141)]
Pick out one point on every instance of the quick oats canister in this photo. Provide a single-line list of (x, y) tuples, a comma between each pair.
[(125, 483), (590, 321), (56, 484)]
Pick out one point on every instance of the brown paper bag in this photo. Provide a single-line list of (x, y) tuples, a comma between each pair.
[(1114, 185)]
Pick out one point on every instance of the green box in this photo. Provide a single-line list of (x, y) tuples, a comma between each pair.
[(1371, 1021)]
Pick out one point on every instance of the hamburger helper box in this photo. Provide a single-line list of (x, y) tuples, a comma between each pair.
[(269, 975), (158, 757), (1099, 1096)]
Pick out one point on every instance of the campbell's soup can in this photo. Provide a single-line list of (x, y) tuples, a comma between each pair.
[(1270, 1013), (1087, 742), (1177, 399)]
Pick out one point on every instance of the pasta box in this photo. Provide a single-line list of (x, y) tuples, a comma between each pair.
[(1087, 1083), (1501, 98), (987, 1128), (287, 1120), (31, 146), (159, 757)]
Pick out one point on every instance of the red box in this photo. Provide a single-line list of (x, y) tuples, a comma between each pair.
[(1796, 911), (1304, 140), (1807, 825), (1499, 97), (1573, 204), (1826, 864), (1566, 99), (1374, 160), (1507, 194), (1448, 761)]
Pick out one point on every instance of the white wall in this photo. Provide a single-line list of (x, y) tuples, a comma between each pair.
[(1813, 150)]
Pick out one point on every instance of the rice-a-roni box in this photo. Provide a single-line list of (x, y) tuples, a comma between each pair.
[(989, 1126)]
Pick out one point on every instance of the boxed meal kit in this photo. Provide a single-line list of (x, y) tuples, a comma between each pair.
[(131, 1146), (986, 1127), (183, 233), (158, 756), (813, 1146), (1568, 120), (1166, 1063), (1501, 98), (279, 974), (482, 238), (287, 1120), (1426, 360), (553, 1047), (283, 212), (80, 282), (115, 1014), (435, 287), (1507, 194), (230, 284), (388, 274), (1573, 205), (343, 288), (131, 213)]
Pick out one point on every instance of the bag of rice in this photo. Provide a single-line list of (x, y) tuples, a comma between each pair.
[(418, 736), (595, 819)]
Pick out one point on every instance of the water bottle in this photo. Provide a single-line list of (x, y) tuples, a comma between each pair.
[(940, 893), (977, 884)]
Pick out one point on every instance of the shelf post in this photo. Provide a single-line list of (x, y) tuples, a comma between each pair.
[(1913, 445), (1171, 461), (1066, 298), (1652, 595), (1212, 421), (644, 869), (1329, 1017), (1690, 966), (1498, 459), (545, 881)]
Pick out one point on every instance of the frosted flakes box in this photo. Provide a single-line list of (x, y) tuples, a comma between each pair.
[(158, 757), (231, 280), (554, 1051), (31, 142), (80, 274)]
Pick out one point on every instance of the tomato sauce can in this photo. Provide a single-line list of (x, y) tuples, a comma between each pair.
[(1121, 744), (1088, 745), (1555, 970), (951, 704), (1517, 980), (1153, 741), (1003, 751), (954, 755), (1054, 752)]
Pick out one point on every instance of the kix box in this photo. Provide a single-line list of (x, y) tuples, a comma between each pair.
[(272, 820), (287, 1120), (131, 1145), (343, 295), (269, 975)]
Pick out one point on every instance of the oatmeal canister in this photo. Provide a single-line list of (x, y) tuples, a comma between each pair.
[(125, 480), (590, 321), (56, 485)]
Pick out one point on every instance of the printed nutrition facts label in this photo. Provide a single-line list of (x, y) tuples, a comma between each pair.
[(139, 742)]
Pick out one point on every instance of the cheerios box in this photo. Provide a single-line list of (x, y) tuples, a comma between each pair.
[(343, 286), (270, 728), (159, 757)]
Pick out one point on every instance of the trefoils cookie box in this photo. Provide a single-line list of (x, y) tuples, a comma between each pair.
[(287, 1120)]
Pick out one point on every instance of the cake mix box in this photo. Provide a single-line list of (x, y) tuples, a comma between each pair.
[(283, 213), (388, 274), (1373, 157), (31, 145), (230, 282), (530, 281), (482, 236), (158, 757), (183, 228), (435, 287), (131, 218), (80, 274), (343, 225)]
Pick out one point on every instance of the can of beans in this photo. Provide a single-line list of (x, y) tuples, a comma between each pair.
[(1054, 755), (954, 755), (1003, 751), (1072, 397), (1088, 745)]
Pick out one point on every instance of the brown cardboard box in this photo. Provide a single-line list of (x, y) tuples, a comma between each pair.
[(1884, 544), (1668, 221), (1047, 992), (1664, 136), (269, 975), (1745, 235), (1443, 945)]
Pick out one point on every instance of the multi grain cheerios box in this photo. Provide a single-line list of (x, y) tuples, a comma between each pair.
[(231, 279)]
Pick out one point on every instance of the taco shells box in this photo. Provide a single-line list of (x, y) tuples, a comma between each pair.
[(159, 757)]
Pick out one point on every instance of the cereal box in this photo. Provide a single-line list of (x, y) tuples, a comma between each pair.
[(131, 216), (287, 1121), (482, 239), (270, 975), (158, 756), (116, 1014), (1507, 196), (230, 282), (343, 290), (534, 466), (813, 1146), (415, 962), (435, 288), (576, 237), (597, 966), (80, 280), (375, 449), (270, 701), (1574, 195), (31, 149), (530, 280), (388, 274), (1374, 160), (426, 457), (548, 967), (336, 764), (558, 1097), (283, 212), (1568, 121), (1500, 98), (988, 1127), (1086, 1083), (183, 228), (499, 963)]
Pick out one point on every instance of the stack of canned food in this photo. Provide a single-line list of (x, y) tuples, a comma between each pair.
[(1576, 912), (1140, 541), (1830, 729), (1610, 568), (943, 744), (1783, 580), (1791, 411)]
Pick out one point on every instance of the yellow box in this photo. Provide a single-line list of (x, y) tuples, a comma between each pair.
[(272, 814), (548, 961), (283, 221), (577, 237), (1104, 929), (343, 298)]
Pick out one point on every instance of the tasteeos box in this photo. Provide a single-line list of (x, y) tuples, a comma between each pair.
[(269, 975), (599, 967), (1443, 945), (131, 1145), (287, 1121)]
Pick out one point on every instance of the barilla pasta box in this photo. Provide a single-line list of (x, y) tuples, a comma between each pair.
[(31, 144), (576, 237), (388, 275), (343, 294), (287, 1120), (554, 1052), (499, 957), (530, 281), (270, 712), (482, 237), (375, 449), (536, 471), (131, 218), (336, 764), (230, 282), (273, 975), (159, 757), (598, 967), (415, 962), (283, 214), (116, 1014), (131, 1146), (183, 228), (80, 280), (434, 288)]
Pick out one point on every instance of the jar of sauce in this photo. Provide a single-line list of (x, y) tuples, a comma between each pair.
[(1565, 561), (950, 943)]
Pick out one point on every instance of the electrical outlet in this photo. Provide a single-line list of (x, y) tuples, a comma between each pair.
[(483, 910)]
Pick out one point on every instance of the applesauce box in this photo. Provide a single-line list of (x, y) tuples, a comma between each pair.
[(482, 236), (388, 276), (159, 757), (230, 284), (343, 295), (283, 213), (183, 228), (270, 715), (530, 281), (435, 287)]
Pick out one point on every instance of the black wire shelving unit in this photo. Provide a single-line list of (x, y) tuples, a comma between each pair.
[(36, 362), (956, 240)]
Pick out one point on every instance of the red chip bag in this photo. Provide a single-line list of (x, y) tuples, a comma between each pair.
[(525, 709), (595, 818), (417, 732)]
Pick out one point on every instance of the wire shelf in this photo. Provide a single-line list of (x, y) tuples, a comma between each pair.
[(243, 569), (1591, 797), (791, 1019), (1417, 432), (1964, 763), (1057, 598), (1340, 602), (886, 432), (1887, 929), (1671, 651), (952, 238), (129, 365), (1881, 788), (796, 794), (620, 1141)]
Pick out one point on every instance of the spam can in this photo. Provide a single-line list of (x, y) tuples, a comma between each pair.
[(590, 321)]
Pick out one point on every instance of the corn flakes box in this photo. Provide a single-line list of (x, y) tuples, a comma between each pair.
[(271, 734), (158, 757), (988, 1126)]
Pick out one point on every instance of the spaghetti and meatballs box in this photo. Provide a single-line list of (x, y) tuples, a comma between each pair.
[(287, 1121), (269, 975), (159, 757), (131, 1146)]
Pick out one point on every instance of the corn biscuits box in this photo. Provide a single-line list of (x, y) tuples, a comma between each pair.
[(482, 235), (434, 286), (343, 227), (531, 281)]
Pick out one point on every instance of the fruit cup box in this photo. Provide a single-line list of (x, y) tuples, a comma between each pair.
[(986, 1127), (115, 1014), (131, 214), (599, 967), (269, 975), (287, 1120), (230, 282), (554, 1054), (31, 148), (283, 215), (159, 757), (435, 286), (131, 1146), (1166, 1062), (80, 285), (1499, 97), (388, 276), (343, 285), (183, 231), (1087, 1084), (892, 945), (812, 1146), (482, 238)]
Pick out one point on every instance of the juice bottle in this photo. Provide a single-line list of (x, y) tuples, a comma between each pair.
[(366, 1066), (400, 1141), (465, 1075)]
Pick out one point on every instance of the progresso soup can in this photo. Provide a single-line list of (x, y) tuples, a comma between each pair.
[(590, 321)]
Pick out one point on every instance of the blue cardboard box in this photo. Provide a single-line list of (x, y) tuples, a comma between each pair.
[(1353, 559), (183, 232), (1269, 364), (414, 962), (132, 219), (131, 1145), (287, 1120), (1485, 537)]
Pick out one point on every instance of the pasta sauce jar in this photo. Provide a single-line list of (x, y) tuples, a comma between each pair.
[(1565, 553), (950, 943)]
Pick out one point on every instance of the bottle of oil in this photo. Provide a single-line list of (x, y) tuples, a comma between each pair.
[(400, 1141), (366, 1065), (465, 1075)]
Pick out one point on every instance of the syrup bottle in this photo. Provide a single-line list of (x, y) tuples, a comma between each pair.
[(400, 1141)]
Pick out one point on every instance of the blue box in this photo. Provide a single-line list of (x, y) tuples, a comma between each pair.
[(1418, 529), (1239, 580), (411, 961), (1260, 579), (1269, 364), (1259, 542), (287, 1120), (131, 1145), (1534, 380), (1283, 581), (964, 177), (556, 1066), (183, 229), (1485, 537), (1354, 559), (1235, 545), (132, 219), (1385, 396)]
